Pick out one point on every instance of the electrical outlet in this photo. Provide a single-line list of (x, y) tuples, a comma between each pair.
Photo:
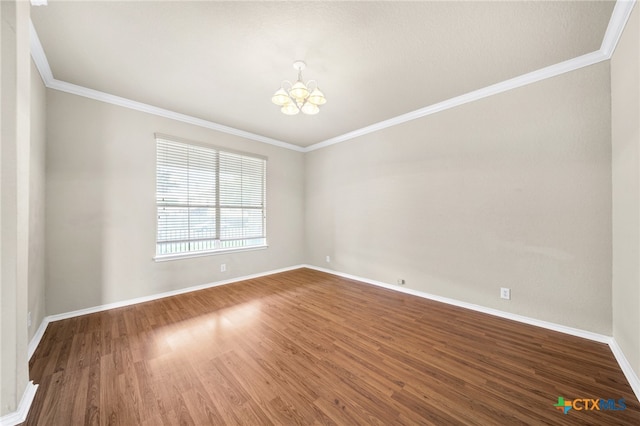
[(505, 293), (223, 267), (401, 281), (29, 319), (328, 259)]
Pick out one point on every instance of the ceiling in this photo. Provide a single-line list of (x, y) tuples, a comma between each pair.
[(222, 61)]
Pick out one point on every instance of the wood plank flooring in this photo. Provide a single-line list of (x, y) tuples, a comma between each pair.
[(304, 347)]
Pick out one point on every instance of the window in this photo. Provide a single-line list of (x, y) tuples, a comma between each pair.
[(207, 199)]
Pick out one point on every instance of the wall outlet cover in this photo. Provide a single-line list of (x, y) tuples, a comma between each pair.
[(505, 293)]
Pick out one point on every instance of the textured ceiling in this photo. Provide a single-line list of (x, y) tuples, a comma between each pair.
[(222, 61)]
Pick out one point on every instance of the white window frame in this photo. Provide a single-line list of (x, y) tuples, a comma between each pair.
[(186, 245)]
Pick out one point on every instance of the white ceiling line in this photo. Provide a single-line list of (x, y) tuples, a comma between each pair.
[(39, 57), (532, 77), (620, 15), (74, 89), (40, 60)]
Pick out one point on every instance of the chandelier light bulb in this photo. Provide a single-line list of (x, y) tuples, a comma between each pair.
[(299, 97), (310, 109), (281, 98), (299, 91), (317, 98), (290, 109)]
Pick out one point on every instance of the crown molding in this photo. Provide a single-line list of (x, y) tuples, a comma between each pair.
[(42, 64), (514, 83), (620, 15), (39, 57), (97, 95)]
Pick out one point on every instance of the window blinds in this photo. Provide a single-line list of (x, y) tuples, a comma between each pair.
[(208, 199)]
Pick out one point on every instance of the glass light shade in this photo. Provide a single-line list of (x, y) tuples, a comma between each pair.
[(280, 98), (317, 98), (299, 90), (290, 109), (310, 109)]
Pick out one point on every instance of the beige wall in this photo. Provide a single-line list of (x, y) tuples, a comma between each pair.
[(625, 108), (512, 191), (100, 207), (509, 191), (14, 201), (36, 297)]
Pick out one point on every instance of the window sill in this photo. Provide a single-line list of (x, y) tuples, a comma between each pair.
[(178, 256)]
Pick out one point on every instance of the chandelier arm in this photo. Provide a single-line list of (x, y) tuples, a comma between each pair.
[(315, 85)]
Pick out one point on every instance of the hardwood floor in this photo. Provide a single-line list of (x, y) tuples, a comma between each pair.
[(304, 347)]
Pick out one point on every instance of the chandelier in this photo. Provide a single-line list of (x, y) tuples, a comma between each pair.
[(297, 97)]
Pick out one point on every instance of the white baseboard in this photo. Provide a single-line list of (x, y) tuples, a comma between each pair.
[(601, 338), (625, 366), (35, 341), (20, 415), (520, 318)]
